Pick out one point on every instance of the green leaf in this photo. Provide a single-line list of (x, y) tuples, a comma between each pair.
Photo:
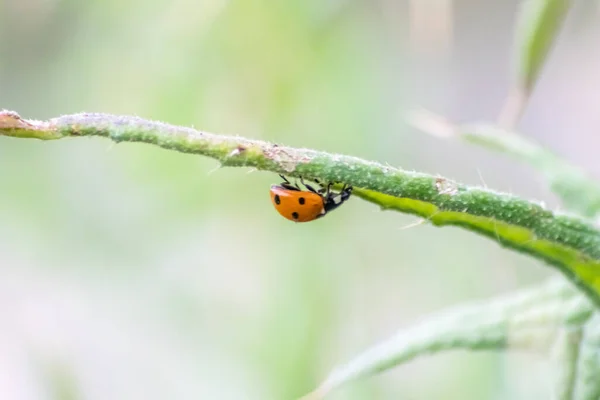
[(528, 320), (538, 25), (587, 382), (564, 356), (568, 243), (520, 237)]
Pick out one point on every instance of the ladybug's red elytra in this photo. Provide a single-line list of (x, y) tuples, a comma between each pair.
[(298, 205)]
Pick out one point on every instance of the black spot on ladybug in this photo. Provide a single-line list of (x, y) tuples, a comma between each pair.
[(277, 199), (295, 215), (301, 200)]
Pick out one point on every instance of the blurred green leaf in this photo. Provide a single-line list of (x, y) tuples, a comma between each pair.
[(539, 24), (529, 320), (587, 384), (62, 382)]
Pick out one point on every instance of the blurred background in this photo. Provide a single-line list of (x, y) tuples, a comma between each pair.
[(131, 272)]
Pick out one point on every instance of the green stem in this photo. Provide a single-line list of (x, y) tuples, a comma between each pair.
[(568, 243), (577, 189)]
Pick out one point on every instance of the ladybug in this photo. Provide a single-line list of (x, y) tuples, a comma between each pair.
[(307, 205)]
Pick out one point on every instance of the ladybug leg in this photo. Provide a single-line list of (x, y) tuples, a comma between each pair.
[(323, 189), (312, 189), (284, 179), (345, 193), (332, 202), (287, 184), (342, 193)]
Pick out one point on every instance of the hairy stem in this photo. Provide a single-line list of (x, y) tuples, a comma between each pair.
[(578, 191), (565, 242)]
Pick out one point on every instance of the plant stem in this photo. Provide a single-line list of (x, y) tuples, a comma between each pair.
[(565, 242)]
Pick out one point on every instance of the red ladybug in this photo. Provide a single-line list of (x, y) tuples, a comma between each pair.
[(299, 205)]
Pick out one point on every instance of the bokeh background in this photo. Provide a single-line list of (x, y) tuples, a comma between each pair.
[(131, 272)]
